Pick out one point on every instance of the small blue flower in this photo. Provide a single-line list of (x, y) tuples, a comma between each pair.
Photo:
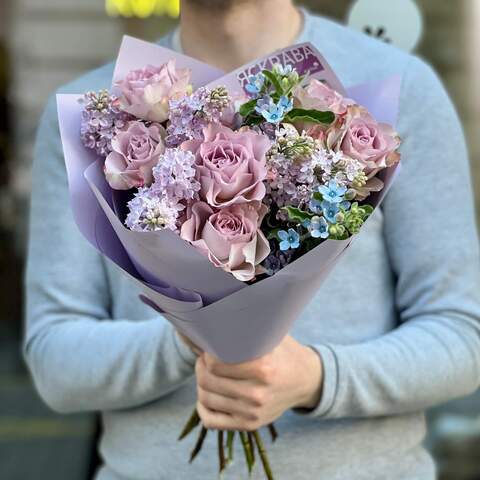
[(269, 110), (315, 206), (333, 192), (274, 114), (285, 103), (264, 102), (255, 84), (283, 70), (330, 211), (318, 227), (290, 239)]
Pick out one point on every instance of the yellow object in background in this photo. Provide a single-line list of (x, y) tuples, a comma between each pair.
[(142, 8)]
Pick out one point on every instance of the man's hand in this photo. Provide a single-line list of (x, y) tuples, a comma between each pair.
[(247, 396), (193, 347)]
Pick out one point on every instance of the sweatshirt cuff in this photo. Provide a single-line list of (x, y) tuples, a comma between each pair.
[(185, 352), (330, 383)]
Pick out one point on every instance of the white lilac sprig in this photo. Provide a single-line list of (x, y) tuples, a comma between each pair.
[(335, 165), (159, 206), (291, 169), (101, 118), (149, 212)]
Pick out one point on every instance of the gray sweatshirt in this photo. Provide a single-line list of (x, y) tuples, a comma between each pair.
[(397, 323)]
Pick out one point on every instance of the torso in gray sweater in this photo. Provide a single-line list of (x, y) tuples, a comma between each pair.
[(397, 323)]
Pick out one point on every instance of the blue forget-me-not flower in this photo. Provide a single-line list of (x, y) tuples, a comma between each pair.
[(290, 239), (269, 110), (318, 227), (330, 211), (285, 103), (332, 192), (255, 84)]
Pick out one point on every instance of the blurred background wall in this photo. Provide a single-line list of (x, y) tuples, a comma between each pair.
[(45, 43)]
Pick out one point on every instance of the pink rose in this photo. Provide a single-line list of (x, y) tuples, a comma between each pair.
[(135, 151), (231, 166), (363, 138), (146, 93), (317, 132), (231, 237), (319, 96)]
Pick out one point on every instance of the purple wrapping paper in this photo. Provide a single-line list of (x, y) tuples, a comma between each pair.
[(230, 319)]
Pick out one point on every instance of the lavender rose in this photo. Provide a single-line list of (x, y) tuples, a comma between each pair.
[(231, 236), (361, 137), (146, 93), (231, 166), (135, 151), (319, 96)]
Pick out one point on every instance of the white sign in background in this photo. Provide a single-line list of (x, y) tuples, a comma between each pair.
[(395, 21)]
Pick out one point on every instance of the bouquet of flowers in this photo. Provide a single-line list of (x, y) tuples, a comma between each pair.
[(217, 192)]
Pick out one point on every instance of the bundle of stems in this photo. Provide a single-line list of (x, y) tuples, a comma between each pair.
[(251, 441)]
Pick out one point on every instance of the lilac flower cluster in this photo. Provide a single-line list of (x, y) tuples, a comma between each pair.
[(337, 166), (101, 118), (149, 212), (190, 114), (291, 166), (159, 206), (299, 166), (174, 176), (292, 182)]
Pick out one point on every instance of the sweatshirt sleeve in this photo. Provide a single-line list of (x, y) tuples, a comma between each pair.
[(80, 358), (434, 354)]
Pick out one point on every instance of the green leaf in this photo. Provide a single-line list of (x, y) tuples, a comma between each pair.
[(297, 215), (315, 116), (273, 234), (317, 196), (247, 108), (254, 120), (274, 81), (301, 78), (368, 210)]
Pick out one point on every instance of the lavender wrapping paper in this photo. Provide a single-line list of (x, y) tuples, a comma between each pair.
[(230, 319)]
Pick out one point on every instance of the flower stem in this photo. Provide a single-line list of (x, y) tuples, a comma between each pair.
[(273, 431), (251, 441), (247, 448), (230, 439), (198, 445), (192, 422), (222, 463), (263, 455)]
